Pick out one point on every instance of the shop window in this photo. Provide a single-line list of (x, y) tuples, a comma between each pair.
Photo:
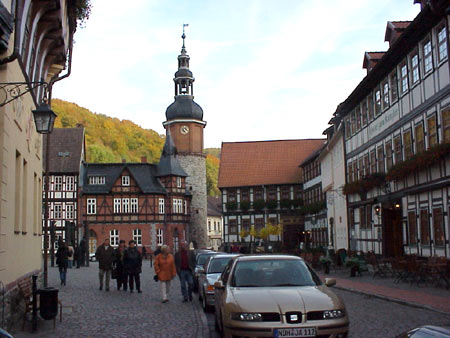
[(438, 225), (412, 227), (424, 227)]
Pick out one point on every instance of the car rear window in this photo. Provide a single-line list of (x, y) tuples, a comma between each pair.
[(273, 272), (203, 257), (217, 265)]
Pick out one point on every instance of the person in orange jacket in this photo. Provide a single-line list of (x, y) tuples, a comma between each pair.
[(165, 270)]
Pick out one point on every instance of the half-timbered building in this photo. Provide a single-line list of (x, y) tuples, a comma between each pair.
[(261, 186), (397, 141), (215, 222), (148, 203)]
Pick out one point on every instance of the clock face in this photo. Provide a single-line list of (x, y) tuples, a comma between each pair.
[(184, 130)]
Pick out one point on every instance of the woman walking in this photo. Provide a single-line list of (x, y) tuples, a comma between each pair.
[(122, 277), (166, 271), (62, 260)]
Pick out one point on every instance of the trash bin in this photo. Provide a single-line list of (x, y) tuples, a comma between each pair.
[(48, 307)]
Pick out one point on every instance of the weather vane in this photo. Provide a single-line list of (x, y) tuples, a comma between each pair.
[(184, 36)]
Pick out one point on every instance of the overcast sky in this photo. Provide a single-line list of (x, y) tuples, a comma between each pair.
[(264, 69)]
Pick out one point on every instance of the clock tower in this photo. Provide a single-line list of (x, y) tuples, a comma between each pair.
[(184, 121)]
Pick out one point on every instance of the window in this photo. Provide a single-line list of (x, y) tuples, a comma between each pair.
[(442, 43), (69, 211), (373, 161), (285, 193), (348, 131), (117, 205), (272, 194), (394, 88), (398, 149), (180, 206), (125, 180), (232, 227), (380, 156), (424, 227), (415, 68), (137, 236), (91, 206), (259, 194), (368, 216), (177, 206), (420, 138), (97, 180), (385, 95), (370, 106), (58, 183), (178, 182), (259, 224), (438, 223), (134, 206), (353, 122), (57, 211), (377, 102), (446, 124), (362, 217), (160, 237), (161, 206), (355, 170), (246, 224), (231, 195), (388, 151), (407, 143), (245, 195), (70, 182), (404, 78), (358, 118), (350, 173), (185, 207), (209, 225), (427, 57), (114, 237), (126, 205), (432, 131), (361, 167), (364, 112), (412, 224)]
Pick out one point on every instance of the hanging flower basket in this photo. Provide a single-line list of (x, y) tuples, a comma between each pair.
[(365, 184)]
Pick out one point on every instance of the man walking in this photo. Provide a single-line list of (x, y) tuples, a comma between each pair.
[(105, 257), (132, 261), (185, 262)]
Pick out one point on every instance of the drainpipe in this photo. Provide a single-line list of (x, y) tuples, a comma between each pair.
[(18, 23), (57, 78)]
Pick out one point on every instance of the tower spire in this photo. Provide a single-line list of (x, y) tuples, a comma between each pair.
[(183, 77)]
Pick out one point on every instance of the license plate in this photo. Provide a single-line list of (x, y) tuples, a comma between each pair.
[(295, 332)]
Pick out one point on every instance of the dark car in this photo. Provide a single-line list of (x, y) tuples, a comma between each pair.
[(200, 259), (427, 331)]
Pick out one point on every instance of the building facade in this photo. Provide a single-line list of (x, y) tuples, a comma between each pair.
[(141, 201), (215, 223), (261, 186), (35, 44), (184, 120), (397, 141)]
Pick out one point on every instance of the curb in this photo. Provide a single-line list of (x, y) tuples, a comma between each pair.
[(394, 300)]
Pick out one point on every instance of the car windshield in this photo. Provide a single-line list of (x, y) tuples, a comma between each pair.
[(217, 265), (203, 257), (273, 272)]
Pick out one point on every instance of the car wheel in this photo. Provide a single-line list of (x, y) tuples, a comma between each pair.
[(207, 308)]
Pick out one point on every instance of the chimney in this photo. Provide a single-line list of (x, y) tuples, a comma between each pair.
[(124, 160), (143, 159)]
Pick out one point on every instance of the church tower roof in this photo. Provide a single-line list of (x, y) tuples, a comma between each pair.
[(184, 106), (168, 163)]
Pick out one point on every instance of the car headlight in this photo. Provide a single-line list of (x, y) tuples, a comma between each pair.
[(332, 314), (247, 317)]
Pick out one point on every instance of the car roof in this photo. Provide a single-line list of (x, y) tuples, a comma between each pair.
[(224, 255), (263, 257)]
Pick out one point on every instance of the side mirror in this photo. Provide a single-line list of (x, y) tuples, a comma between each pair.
[(219, 285), (330, 281)]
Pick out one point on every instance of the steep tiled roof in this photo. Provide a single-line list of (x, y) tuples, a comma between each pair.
[(265, 162), (168, 163), (214, 206), (66, 147), (143, 173)]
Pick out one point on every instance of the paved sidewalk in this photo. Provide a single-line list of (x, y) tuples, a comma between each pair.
[(429, 297), (88, 312)]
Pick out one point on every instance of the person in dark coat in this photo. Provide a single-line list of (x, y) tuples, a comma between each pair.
[(185, 264), (122, 277), (62, 260), (76, 256), (132, 261), (105, 258)]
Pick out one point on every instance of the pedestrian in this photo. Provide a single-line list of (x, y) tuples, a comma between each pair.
[(132, 261), (71, 254), (77, 255), (144, 252), (185, 263), (157, 251), (105, 258), (122, 277), (165, 270), (62, 258), (83, 251), (150, 255)]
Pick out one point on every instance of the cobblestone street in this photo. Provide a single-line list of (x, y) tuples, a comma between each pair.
[(88, 312)]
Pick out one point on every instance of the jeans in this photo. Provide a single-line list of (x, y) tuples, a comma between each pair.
[(101, 273), (62, 274), (186, 277), (70, 264)]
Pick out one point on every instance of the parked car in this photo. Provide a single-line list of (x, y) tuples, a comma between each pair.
[(208, 275), (200, 260), (427, 331), (276, 296)]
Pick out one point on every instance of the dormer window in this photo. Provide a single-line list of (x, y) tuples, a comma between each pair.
[(178, 182), (126, 181), (97, 180)]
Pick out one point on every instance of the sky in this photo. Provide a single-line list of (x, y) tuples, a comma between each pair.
[(264, 69)]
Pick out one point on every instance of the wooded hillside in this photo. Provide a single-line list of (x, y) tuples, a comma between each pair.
[(110, 140)]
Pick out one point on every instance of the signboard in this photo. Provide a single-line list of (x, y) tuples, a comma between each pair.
[(383, 122)]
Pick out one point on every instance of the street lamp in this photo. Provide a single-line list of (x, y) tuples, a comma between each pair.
[(44, 118)]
